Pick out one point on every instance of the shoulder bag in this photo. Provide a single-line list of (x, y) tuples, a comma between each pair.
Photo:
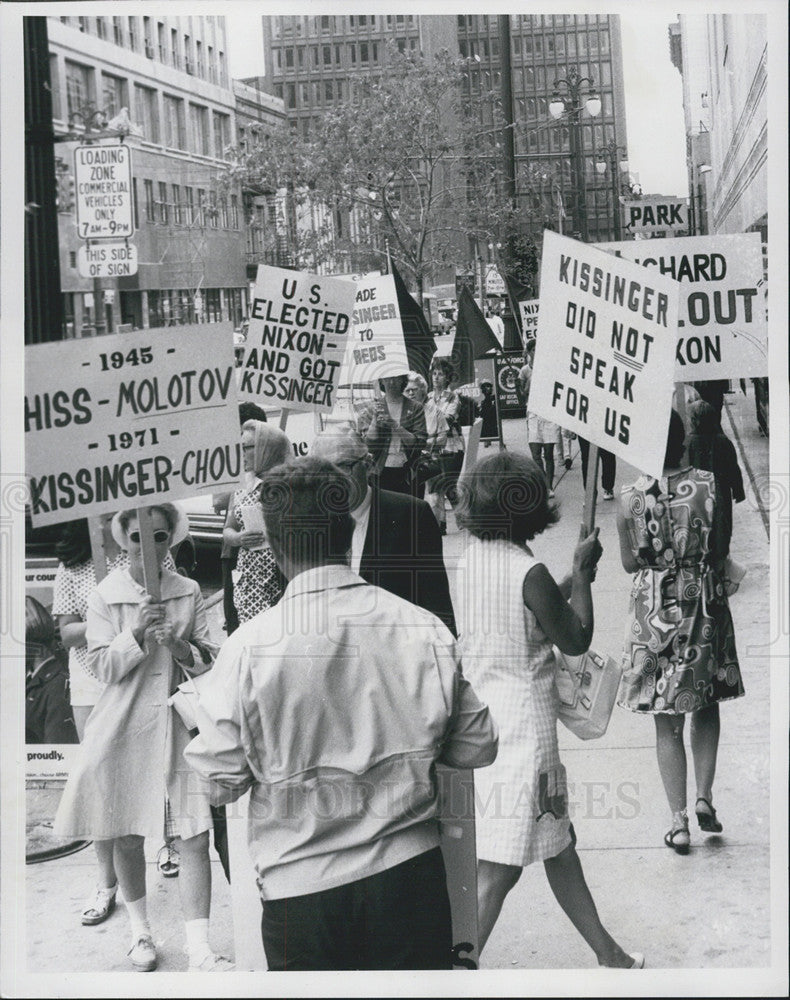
[(587, 686)]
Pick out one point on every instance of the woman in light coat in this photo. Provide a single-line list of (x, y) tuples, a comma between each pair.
[(131, 780)]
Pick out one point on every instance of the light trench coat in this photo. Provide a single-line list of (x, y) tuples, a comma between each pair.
[(132, 751)]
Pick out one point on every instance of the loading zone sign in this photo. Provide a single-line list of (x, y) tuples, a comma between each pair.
[(103, 178)]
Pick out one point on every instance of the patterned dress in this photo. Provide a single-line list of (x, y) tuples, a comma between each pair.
[(679, 653), (258, 582), (522, 798)]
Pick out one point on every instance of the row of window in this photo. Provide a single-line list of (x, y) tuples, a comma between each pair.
[(536, 47), (478, 22), (172, 204), (531, 79), (316, 56), (164, 123), (336, 25), (153, 39)]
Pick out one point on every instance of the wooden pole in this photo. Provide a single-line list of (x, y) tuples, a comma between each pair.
[(96, 532), (150, 562), (591, 491)]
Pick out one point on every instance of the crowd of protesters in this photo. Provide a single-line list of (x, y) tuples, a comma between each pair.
[(346, 676)]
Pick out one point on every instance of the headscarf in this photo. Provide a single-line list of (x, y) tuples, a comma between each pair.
[(272, 446)]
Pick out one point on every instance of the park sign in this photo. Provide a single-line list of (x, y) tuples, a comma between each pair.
[(129, 420), (605, 372), (529, 318), (107, 260), (103, 182), (722, 324), (376, 348), (297, 339), (654, 214)]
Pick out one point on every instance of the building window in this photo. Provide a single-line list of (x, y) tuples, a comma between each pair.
[(135, 208), (175, 58), (79, 81), (223, 75), (101, 28), (290, 96), (189, 64), (212, 210), (223, 212), (201, 207), (177, 204), (352, 54), (327, 54), (160, 31), (375, 47), (300, 57), (289, 58), (148, 39), (212, 69), (175, 130), (325, 23), (329, 91), (147, 112), (162, 202), (199, 119), (134, 41), (201, 70), (117, 30), (314, 51), (148, 187), (189, 197), (234, 211), (221, 134), (363, 52), (113, 94)]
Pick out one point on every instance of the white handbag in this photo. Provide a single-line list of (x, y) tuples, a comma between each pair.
[(587, 686), (185, 698)]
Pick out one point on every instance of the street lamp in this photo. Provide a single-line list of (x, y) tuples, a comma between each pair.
[(567, 101), (615, 157)]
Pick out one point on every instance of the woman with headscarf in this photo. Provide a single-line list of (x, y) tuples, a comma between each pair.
[(131, 780), (258, 582)]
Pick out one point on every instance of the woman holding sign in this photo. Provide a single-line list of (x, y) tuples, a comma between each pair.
[(258, 583), (131, 780), (679, 657), (448, 402)]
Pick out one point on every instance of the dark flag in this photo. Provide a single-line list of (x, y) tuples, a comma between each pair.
[(516, 292), (474, 338), (420, 345)]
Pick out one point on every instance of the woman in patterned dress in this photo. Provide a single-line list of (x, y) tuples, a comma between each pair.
[(679, 657), (448, 402), (512, 612), (258, 582)]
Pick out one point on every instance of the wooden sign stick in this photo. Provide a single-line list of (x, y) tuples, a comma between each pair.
[(150, 562), (591, 492), (283, 418), (96, 532)]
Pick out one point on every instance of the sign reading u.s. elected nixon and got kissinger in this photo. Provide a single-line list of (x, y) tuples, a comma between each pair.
[(722, 324), (128, 421), (103, 182), (604, 361), (299, 329), (376, 348)]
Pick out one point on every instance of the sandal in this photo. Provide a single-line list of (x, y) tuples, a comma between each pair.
[(100, 906), (678, 839), (168, 861), (707, 818)]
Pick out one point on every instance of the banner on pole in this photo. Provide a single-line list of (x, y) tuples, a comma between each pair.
[(723, 329), (606, 372), (376, 347), (506, 369), (129, 420), (297, 339), (529, 318)]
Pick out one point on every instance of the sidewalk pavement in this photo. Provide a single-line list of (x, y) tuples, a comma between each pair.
[(708, 909)]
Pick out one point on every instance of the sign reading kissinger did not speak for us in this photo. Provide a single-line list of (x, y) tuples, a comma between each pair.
[(722, 325), (299, 328), (605, 358), (129, 420)]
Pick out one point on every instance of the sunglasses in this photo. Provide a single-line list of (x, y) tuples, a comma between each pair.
[(159, 537)]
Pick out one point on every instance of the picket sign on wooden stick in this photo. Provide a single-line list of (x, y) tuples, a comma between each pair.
[(284, 412), (150, 562), (590, 492), (96, 532)]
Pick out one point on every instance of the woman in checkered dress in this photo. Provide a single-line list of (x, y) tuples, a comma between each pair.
[(258, 583), (512, 612)]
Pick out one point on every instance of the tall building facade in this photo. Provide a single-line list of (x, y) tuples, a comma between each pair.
[(171, 74), (312, 62)]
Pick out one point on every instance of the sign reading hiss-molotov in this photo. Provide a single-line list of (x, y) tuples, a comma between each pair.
[(129, 420), (604, 365), (299, 326), (103, 180)]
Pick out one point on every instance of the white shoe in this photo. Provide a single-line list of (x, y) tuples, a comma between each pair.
[(212, 963), (143, 954), (608, 495)]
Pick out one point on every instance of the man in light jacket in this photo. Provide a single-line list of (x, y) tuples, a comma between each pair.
[(334, 707)]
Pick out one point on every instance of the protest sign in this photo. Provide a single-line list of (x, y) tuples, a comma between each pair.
[(128, 421), (376, 348), (605, 372), (723, 330), (529, 318), (656, 213), (297, 339), (506, 368), (103, 189)]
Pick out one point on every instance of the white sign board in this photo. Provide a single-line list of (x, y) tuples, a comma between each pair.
[(107, 260), (103, 179), (495, 283), (652, 215), (723, 330), (297, 339), (129, 420), (376, 348), (606, 370), (529, 318)]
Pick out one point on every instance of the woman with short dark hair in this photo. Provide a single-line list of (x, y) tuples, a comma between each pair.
[(448, 403), (679, 657), (512, 612)]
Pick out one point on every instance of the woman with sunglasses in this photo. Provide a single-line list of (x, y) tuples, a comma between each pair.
[(258, 582), (131, 780)]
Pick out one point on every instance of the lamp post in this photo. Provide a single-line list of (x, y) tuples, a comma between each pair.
[(614, 157), (567, 101)]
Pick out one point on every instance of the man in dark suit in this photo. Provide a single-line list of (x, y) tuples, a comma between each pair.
[(397, 544)]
